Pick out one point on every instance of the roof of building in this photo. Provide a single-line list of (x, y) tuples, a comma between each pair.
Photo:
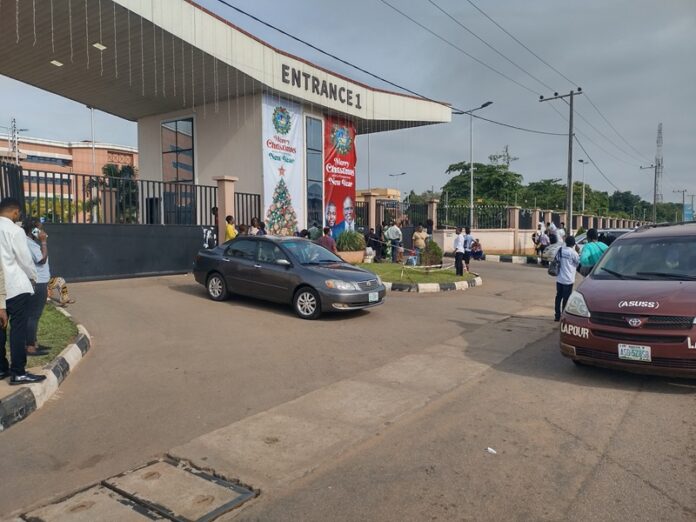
[(155, 57)]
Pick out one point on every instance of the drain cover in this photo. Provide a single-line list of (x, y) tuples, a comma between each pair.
[(179, 491), (95, 503)]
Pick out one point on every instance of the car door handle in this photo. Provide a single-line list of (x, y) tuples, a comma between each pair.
[(257, 266)]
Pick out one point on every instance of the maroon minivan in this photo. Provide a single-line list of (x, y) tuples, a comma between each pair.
[(636, 310)]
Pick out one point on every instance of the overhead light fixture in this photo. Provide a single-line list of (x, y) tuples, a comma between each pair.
[(56, 63), (99, 46)]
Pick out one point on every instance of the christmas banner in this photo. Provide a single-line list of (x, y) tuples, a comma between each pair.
[(339, 175), (283, 151)]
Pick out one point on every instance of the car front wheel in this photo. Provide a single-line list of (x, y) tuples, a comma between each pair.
[(306, 303), (217, 288)]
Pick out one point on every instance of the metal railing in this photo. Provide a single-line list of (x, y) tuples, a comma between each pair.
[(485, 216), (79, 199), (362, 214), (247, 206)]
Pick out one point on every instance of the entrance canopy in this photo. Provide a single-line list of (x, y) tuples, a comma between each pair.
[(137, 58)]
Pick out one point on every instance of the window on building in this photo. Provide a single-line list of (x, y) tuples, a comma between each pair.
[(177, 151), (45, 160), (315, 171)]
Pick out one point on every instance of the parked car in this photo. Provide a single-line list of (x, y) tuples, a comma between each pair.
[(287, 270), (636, 310), (606, 235)]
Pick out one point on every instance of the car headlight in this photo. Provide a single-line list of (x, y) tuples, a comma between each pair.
[(337, 284), (379, 280), (577, 306)]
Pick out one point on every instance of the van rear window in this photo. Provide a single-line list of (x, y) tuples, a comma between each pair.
[(651, 259)]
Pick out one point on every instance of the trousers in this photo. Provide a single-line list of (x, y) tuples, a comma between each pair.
[(17, 312), (562, 295)]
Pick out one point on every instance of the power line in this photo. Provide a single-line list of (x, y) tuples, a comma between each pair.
[(528, 49), (460, 24), (595, 164), (455, 46), (565, 78), (614, 128), (376, 76)]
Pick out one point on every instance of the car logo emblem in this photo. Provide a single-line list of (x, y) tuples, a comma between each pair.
[(635, 322)]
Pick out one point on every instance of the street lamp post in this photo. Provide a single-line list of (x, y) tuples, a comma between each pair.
[(583, 184), (470, 112)]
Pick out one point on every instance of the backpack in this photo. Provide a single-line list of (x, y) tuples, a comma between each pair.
[(555, 265)]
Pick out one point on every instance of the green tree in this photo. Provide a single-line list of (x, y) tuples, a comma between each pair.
[(122, 183)]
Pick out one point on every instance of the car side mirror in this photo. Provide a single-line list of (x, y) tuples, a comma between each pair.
[(282, 262)]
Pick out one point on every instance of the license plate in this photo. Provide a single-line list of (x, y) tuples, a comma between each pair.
[(633, 352), (373, 297)]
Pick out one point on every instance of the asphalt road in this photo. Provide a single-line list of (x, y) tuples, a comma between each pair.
[(169, 366)]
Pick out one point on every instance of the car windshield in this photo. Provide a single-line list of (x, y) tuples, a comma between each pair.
[(308, 253), (655, 259)]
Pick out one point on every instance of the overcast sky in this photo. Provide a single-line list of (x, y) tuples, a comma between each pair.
[(634, 58)]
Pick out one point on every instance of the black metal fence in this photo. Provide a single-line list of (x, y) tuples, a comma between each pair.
[(247, 206), (11, 181), (527, 219), (362, 214), (485, 217), (401, 212)]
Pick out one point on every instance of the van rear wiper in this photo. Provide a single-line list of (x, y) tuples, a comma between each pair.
[(620, 275), (670, 275)]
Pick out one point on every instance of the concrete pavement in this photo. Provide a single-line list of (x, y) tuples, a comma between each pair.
[(169, 365)]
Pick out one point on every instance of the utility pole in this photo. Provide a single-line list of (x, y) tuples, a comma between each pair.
[(569, 191), (583, 162), (654, 167), (683, 193)]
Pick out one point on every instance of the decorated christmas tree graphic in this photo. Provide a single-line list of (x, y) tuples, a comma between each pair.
[(280, 218)]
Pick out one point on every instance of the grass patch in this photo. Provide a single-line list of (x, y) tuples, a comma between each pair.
[(391, 273), (55, 332)]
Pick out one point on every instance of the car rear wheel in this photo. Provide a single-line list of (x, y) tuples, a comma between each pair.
[(217, 288), (306, 303)]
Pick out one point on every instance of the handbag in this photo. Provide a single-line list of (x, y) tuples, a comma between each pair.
[(555, 264)]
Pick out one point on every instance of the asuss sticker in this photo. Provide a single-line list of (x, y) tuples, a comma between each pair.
[(691, 344), (639, 304), (575, 331)]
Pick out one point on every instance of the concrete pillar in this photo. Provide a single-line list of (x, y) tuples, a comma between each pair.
[(536, 217), (371, 200), (547, 216), (225, 202), (578, 221), (514, 224), (432, 211)]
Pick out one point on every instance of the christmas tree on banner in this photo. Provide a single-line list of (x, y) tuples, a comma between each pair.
[(280, 218)]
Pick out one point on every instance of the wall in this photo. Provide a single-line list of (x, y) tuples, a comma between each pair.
[(94, 252), (494, 241), (222, 146)]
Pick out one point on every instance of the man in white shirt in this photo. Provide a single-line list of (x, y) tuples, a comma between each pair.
[(459, 252), (20, 276), (569, 260), (394, 235), (561, 233), (468, 241)]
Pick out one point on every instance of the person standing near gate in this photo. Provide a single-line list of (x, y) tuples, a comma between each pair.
[(394, 235), (37, 241), (230, 229), (468, 241), (20, 277), (459, 252), (568, 261)]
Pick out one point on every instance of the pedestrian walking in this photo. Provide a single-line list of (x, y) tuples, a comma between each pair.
[(468, 241), (561, 232), (459, 252), (37, 242), (20, 277), (591, 252), (568, 262)]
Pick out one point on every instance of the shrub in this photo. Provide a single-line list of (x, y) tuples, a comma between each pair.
[(432, 255), (350, 242)]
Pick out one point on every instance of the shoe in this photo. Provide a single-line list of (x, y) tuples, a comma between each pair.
[(556, 319), (4, 375), (27, 378), (37, 353)]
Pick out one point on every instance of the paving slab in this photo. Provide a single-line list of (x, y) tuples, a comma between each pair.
[(94, 504), (178, 491)]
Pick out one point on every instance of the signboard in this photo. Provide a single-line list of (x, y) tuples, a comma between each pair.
[(339, 175), (283, 153), (688, 212)]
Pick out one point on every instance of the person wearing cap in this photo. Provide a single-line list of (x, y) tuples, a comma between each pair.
[(568, 262)]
